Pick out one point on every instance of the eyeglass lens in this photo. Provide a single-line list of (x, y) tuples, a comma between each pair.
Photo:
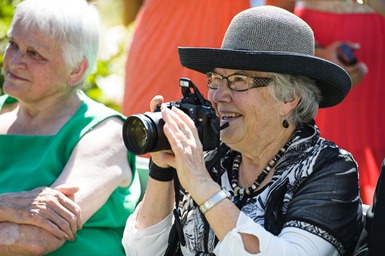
[(236, 82)]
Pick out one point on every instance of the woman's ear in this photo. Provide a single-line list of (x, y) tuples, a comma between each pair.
[(289, 105), (78, 72)]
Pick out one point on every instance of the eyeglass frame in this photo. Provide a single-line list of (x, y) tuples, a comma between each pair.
[(254, 78)]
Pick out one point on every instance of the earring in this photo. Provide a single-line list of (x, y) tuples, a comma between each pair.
[(285, 123)]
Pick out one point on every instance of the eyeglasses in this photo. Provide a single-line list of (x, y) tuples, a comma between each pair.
[(236, 82)]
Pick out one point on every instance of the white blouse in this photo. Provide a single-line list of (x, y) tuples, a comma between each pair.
[(152, 240)]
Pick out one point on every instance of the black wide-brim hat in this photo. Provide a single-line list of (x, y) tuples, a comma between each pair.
[(271, 39)]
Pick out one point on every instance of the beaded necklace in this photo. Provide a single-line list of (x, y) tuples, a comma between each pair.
[(239, 192)]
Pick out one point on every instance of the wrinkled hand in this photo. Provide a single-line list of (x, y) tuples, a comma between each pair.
[(158, 157), (186, 154), (26, 240), (357, 71), (47, 208), (187, 149)]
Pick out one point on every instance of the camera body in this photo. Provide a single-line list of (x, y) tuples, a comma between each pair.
[(143, 133)]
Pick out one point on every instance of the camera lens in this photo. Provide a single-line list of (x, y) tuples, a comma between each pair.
[(143, 133)]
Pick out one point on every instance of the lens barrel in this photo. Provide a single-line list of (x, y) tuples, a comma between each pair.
[(143, 133)]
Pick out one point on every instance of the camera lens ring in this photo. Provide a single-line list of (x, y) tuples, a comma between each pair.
[(138, 134), (143, 133)]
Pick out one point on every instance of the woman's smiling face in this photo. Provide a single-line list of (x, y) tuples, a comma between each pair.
[(253, 115)]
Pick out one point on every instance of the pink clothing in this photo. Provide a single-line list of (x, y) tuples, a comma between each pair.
[(153, 65), (358, 123)]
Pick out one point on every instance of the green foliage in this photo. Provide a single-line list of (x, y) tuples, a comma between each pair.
[(104, 68), (6, 13)]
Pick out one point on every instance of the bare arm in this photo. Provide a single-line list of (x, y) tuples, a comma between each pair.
[(158, 200), (38, 221), (98, 165), (20, 239), (43, 207), (157, 203)]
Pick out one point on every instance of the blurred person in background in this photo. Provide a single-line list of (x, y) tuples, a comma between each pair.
[(160, 27), (358, 123)]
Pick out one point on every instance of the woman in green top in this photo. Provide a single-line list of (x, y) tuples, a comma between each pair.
[(67, 183)]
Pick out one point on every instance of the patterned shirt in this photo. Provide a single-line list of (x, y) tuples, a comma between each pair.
[(314, 188)]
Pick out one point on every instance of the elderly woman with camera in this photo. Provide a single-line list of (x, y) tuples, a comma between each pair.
[(67, 183), (274, 186)]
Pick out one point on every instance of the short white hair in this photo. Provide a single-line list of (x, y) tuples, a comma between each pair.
[(288, 87), (75, 24)]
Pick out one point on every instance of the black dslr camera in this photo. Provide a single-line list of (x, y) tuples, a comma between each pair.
[(143, 133)]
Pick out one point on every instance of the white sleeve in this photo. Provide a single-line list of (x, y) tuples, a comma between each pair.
[(150, 241), (291, 241)]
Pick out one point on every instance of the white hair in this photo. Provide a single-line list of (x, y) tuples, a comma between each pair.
[(75, 24), (288, 87)]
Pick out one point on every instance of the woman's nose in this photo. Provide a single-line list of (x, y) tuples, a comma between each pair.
[(222, 93), (16, 59)]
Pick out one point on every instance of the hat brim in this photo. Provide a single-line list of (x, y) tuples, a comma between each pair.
[(332, 80)]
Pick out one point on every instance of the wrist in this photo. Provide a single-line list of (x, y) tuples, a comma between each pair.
[(202, 191), (159, 173), (214, 200)]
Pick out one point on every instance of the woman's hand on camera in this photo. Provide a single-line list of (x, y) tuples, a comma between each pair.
[(188, 158), (159, 157)]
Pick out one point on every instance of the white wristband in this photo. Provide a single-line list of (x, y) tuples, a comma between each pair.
[(214, 200)]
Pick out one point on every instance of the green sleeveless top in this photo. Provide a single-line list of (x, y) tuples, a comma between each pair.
[(27, 162)]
